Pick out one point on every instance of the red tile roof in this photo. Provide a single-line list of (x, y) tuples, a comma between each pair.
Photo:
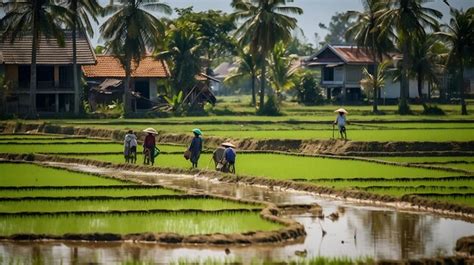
[(109, 66), (353, 54)]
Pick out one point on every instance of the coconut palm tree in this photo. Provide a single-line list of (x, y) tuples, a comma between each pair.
[(247, 67), (281, 68), (369, 36), (426, 60), (375, 81), (82, 11), (39, 18), (184, 48), (459, 34), (265, 23), (131, 32), (410, 20)]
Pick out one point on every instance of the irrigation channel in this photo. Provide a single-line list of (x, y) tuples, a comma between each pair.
[(359, 231)]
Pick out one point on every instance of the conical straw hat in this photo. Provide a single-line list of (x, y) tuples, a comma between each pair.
[(150, 130), (228, 144), (341, 110)]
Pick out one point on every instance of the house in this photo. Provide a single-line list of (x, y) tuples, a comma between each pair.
[(342, 70), (221, 72), (55, 91), (105, 80)]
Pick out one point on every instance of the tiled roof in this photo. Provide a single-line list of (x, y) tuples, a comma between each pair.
[(353, 54), (109, 66), (344, 54), (49, 52)]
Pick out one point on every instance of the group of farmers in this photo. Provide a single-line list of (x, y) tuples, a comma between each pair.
[(224, 156)]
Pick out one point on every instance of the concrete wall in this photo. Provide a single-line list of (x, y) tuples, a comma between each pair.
[(392, 89)]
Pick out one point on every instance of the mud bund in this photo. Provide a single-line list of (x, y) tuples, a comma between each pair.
[(351, 148)]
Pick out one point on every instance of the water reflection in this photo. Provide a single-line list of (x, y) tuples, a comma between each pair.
[(381, 233)]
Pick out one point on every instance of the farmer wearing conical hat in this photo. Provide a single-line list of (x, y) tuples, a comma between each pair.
[(229, 157), (341, 122), (195, 148), (149, 146)]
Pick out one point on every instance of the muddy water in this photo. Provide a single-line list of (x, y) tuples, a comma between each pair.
[(360, 231)]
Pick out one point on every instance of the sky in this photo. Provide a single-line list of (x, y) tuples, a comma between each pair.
[(314, 11)]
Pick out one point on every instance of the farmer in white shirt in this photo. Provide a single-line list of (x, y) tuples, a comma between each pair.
[(341, 122)]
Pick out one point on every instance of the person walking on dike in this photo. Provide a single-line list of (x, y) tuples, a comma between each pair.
[(195, 148), (229, 158), (149, 146), (341, 122), (130, 147)]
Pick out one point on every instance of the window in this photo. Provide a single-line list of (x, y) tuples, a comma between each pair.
[(328, 73)]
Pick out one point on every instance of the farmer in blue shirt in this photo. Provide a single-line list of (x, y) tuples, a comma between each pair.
[(229, 157), (195, 148)]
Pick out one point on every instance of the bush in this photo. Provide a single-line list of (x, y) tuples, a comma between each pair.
[(429, 109), (270, 108), (308, 91), (404, 108)]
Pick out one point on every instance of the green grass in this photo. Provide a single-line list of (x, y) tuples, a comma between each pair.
[(33, 175), (30, 136), (77, 148), (84, 192), (293, 167), (182, 223), (119, 204)]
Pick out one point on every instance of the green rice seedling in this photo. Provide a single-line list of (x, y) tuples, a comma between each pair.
[(427, 159), (86, 204), (84, 191), (179, 222), (289, 167), (461, 200), (21, 174), (77, 148)]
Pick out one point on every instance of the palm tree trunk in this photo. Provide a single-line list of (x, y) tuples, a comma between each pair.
[(254, 96), (375, 74), (461, 87), (420, 86), (77, 98), (34, 47), (126, 91), (262, 85), (404, 82)]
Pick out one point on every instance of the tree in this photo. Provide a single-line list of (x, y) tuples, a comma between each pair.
[(376, 81), (40, 18), (215, 28), (81, 12), (248, 66), (368, 35), (265, 23), (131, 32), (281, 69), (184, 48), (410, 20), (337, 28), (308, 91), (460, 36), (425, 54)]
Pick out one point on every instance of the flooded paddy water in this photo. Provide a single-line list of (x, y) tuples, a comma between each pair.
[(356, 231)]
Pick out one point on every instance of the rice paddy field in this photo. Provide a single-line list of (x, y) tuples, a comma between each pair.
[(35, 199)]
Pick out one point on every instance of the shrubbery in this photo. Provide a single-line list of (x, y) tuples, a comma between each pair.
[(271, 107), (308, 91)]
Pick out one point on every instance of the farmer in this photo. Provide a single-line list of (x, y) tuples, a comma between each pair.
[(229, 157), (218, 157), (341, 122), (149, 146), (195, 148), (130, 147)]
